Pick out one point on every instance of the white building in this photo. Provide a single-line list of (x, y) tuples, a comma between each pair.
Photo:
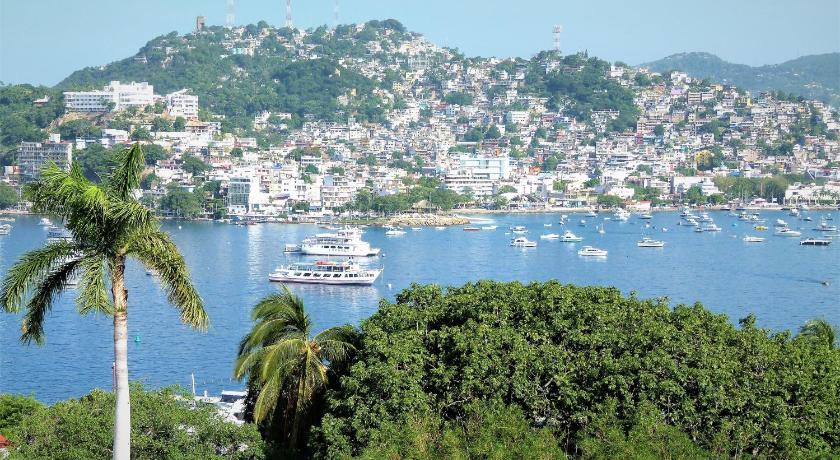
[(181, 104), (479, 184), (519, 117), (114, 96), (495, 168), (245, 197), (34, 156)]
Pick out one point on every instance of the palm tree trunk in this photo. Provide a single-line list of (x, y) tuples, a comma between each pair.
[(122, 419), (298, 409)]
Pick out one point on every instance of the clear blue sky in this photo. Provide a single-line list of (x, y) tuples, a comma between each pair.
[(42, 41)]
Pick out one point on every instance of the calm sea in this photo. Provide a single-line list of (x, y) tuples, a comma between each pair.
[(782, 283)]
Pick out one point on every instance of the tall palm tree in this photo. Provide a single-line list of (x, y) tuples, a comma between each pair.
[(108, 226), (820, 330), (285, 363)]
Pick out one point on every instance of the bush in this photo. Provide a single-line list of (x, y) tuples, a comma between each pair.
[(163, 426)]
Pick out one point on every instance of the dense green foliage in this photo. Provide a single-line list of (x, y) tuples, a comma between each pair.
[(163, 424), (565, 354), (20, 119), (428, 195), (239, 86), (13, 408), (580, 86), (813, 77), (8, 196)]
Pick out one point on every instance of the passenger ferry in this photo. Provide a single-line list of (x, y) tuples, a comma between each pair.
[(345, 242), (325, 272)]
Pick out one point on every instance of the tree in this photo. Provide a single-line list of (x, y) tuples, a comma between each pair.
[(79, 128), (310, 169), (694, 195), (180, 124), (285, 364), (820, 331), (141, 134), (166, 425), (181, 203), (610, 201), (8, 196), (236, 152), (109, 226), (194, 165)]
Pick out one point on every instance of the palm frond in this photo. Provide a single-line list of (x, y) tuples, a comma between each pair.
[(338, 343), (41, 302), (126, 177), (93, 294), (30, 271), (282, 358), (159, 254), (267, 399)]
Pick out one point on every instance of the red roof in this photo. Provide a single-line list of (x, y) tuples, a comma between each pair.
[(4, 442)]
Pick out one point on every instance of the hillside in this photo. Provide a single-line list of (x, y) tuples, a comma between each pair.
[(813, 77)]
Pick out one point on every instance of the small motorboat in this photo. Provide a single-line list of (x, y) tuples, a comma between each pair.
[(489, 227), (650, 243), (753, 239), (519, 229), (522, 242), (589, 251), (471, 229), (570, 237), (395, 232), (550, 236), (788, 232)]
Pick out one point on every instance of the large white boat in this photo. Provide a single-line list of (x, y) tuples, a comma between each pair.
[(325, 272), (589, 251), (522, 242), (826, 227), (650, 243), (345, 242), (570, 237)]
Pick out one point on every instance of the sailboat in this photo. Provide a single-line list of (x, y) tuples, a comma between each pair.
[(601, 229)]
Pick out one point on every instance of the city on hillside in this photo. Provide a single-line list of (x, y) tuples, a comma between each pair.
[(258, 122)]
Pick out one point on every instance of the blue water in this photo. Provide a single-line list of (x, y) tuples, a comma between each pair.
[(778, 280)]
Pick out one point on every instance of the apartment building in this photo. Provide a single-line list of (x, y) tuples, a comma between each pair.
[(182, 104), (34, 156)]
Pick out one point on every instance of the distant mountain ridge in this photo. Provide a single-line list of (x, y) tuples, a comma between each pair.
[(814, 77)]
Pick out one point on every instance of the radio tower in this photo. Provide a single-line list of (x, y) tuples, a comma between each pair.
[(335, 14), (230, 19), (289, 14), (558, 29)]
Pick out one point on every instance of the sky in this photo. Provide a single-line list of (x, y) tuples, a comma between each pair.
[(43, 41)]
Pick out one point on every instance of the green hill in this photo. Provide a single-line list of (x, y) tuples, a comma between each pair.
[(813, 77)]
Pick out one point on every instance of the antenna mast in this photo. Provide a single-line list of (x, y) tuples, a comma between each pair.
[(289, 14), (230, 19), (558, 29), (335, 14)]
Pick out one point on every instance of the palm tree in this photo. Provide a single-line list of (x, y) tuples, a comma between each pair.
[(285, 363), (108, 226), (821, 331)]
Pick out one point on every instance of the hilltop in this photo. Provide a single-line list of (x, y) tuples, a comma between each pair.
[(812, 77)]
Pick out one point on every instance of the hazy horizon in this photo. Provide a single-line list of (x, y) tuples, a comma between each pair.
[(750, 32)]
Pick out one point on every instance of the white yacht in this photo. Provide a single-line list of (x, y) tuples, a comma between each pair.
[(788, 232), (691, 222), (522, 242), (780, 223), (5, 229), (395, 232), (519, 229), (646, 216), (589, 251), (44, 222), (704, 217), (570, 237), (815, 242), (12, 219), (711, 228), (753, 239), (546, 225), (230, 406), (650, 243), (345, 242), (489, 227), (325, 272), (550, 236)]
